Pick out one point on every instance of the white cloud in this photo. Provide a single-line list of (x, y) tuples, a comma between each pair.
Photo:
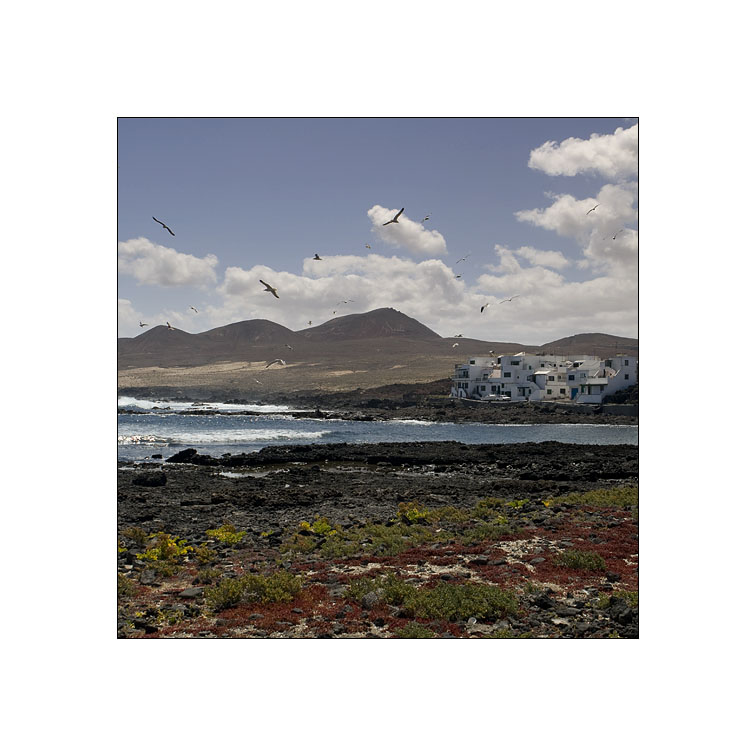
[(547, 306), (572, 217), (542, 257), (406, 233), (611, 155), (152, 263)]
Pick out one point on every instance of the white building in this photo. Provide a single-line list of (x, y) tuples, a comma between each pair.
[(543, 377)]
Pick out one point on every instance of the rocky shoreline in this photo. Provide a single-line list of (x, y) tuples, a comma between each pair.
[(436, 539)]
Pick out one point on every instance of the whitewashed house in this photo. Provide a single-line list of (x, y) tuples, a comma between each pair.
[(543, 377)]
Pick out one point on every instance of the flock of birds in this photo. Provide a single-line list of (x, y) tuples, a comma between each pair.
[(395, 219)]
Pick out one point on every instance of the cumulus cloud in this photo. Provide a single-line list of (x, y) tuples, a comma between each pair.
[(542, 257), (154, 264), (569, 216), (611, 155), (408, 234)]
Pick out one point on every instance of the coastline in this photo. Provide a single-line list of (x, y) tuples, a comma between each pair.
[(368, 536)]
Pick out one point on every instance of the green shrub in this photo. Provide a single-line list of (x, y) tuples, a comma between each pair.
[(253, 589), (414, 630), (409, 512), (393, 590), (126, 586), (137, 535), (204, 554), (208, 574), (163, 547), (630, 598), (582, 560), (227, 533), (459, 601), (622, 497)]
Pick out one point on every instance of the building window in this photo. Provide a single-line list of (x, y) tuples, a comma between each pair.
[(570, 377), (514, 362), (551, 377), (507, 375), (626, 363), (548, 391), (561, 391), (508, 393)]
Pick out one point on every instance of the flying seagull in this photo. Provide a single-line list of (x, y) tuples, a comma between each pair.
[(142, 325), (309, 322), (487, 304), (427, 217), (163, 225), (395, 219), (454, 346), (275, 362), (269, 288), (170, 327), (459, 276), (288, 346), (194, 308), (592, 209), (462, 259), (510, 299), (317, 257), (367, 246), (457, 335), (491, 352), (617, 234)]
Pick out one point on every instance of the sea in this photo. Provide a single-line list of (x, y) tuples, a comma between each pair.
[(160, 428)]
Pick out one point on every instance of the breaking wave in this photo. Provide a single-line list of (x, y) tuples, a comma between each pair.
[(130, 402)]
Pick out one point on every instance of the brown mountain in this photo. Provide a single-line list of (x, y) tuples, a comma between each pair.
[(364, 350), (376, 324)]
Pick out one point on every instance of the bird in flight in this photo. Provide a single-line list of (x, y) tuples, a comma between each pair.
[(317, 257), (163, 225), (427, 217), (395, 219), (275, 362), (142, 325), (269, 288), (592, 209), (367, 246), (487, 304), (309, 322), (194, 308), (491, 352), (288, 346), (345, 301), (510, 299), (617, 234), (170, 327), (458, 276), (462, 259), (454, 346), (457, 335)]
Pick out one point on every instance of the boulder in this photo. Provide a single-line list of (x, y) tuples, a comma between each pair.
[(183, 456)]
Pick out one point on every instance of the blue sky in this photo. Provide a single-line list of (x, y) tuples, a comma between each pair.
[(255, 198)]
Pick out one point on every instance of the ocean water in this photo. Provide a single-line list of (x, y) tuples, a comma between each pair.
[(164, 431)]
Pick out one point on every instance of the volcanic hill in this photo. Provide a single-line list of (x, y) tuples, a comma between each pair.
[(364, 350)]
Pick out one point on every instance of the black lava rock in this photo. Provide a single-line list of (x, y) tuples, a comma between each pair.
[(150, 478)]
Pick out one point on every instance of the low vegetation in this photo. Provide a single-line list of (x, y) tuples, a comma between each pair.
[(581, 560), (252, 589), (227, 533)]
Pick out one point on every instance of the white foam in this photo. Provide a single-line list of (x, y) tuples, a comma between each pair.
[(130, 401), (145, 440), (243, 436)]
